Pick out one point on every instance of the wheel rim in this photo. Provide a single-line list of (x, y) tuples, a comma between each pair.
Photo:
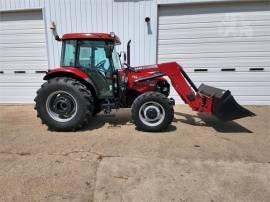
[(61, 106), (152, 113)]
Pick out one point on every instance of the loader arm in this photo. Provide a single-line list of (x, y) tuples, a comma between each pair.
[(185, 88), (203, 99)]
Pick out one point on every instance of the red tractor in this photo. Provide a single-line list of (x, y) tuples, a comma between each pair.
[(91, 79)]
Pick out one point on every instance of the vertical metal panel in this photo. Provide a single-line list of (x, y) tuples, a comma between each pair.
[(124, 17), (23, 55), (207, 39)]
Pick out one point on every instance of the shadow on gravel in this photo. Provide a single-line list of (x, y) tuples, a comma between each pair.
[(114, 121), (170, 128), (203, 119)]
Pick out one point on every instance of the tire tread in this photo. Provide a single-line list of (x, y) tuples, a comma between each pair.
[(77, 86), (152, 96)]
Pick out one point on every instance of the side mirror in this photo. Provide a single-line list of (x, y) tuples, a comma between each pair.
[(109, 49), (123, 57)]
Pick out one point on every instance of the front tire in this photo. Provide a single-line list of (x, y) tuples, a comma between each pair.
[(152, 111), (64, 104)]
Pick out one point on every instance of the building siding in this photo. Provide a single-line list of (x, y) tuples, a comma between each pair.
[(98, 16), (126, 19)]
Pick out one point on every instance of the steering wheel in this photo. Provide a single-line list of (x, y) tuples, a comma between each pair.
[(100, 65)]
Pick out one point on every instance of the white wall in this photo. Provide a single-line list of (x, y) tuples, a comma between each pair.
[(124, 17)]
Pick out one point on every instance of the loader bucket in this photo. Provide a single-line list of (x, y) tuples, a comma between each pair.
[(225, 106)]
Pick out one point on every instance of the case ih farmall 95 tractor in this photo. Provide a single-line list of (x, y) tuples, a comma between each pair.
[(91, 79)]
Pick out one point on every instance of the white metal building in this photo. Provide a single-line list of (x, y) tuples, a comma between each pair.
[(223, 43)]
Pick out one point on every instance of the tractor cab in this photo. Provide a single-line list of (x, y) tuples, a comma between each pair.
[(95, 55)]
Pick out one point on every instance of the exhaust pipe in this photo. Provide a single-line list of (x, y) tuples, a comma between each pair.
[(128, 52)]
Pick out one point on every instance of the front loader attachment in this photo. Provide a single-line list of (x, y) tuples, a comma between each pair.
[(224, 105)]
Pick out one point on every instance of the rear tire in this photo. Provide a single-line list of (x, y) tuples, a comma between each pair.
[(152, 111), (64, 104)]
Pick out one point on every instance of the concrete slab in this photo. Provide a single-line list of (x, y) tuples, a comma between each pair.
[(31, 156), (27, 177), (137, 179)]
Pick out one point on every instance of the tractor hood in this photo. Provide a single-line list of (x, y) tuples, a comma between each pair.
[(145, 67), (146, 72)]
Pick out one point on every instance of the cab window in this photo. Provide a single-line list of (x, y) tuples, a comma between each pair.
[(92, 55), (68, 53)]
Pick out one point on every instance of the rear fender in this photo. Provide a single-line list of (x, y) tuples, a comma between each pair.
[(72, 73)]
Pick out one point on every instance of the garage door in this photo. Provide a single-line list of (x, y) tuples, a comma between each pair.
[(224, 45), (23, 57)]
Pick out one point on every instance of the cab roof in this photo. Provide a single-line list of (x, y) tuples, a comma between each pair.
[(101, 36)]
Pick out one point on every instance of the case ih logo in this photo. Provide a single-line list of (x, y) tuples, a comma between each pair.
[(146, 67)]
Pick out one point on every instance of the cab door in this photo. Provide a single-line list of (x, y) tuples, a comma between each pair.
[(92, 58)]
